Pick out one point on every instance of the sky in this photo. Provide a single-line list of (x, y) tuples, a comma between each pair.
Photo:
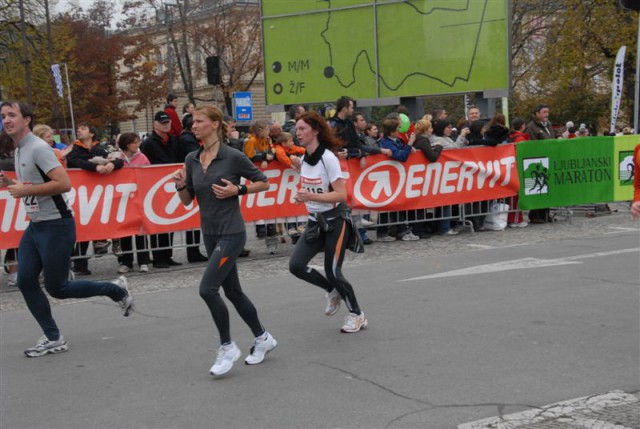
[(65, 5)]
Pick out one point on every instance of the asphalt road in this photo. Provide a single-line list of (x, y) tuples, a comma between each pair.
[(460, 329)]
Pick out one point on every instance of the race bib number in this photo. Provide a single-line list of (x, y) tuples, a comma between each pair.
[(31, 203), (313, 185)]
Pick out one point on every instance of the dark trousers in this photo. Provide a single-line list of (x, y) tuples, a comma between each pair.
[(334, 244), (539, 215), (142, 254), (193, 244), (268, 230), (162, 240), (46, 246), (81, 264), (393, 217)]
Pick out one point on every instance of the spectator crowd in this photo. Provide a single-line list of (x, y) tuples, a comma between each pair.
[(396, 137)]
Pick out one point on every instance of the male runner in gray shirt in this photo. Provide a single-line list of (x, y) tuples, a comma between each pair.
[(48, 241)]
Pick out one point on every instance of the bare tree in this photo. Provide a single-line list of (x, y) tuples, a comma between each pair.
[(229, 30)]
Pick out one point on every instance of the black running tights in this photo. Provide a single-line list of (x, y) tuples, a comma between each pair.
[(334, 243), (222, 271)]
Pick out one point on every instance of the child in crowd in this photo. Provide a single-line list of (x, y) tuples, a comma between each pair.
[(129, 144), (285, 149), (400, 152), (259, 149)]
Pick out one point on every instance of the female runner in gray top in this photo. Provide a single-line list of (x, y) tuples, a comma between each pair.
[(212, 176)]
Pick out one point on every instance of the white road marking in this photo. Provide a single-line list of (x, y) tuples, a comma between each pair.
[(481, 246), (622, 228), (521, 264), (561, 411)]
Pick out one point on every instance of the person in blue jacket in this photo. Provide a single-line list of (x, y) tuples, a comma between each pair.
[(399, 151)]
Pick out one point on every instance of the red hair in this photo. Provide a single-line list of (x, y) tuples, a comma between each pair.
[(326, 137)]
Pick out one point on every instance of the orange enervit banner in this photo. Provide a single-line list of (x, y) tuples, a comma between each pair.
[(458, 176), (143, 200)]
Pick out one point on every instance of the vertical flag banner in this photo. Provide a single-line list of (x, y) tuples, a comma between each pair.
[(57, 77), (616, 87)]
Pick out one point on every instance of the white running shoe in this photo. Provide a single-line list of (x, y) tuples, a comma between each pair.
[(123, 269), (45, 346), (227, 355), (451, 232), (333, 302), (127, 302), (12, 279), (144, 268), (260, 349), (364, 223), (410, 236), (385, 238), (522, 224), (354, 322)]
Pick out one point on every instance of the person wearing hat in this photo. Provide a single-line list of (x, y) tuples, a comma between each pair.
[(170, 109), (161, 148), (540, 128)]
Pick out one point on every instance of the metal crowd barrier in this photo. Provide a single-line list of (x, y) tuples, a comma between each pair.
[(467, 216)]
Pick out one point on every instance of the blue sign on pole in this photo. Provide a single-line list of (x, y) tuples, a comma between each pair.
[(243, 106)]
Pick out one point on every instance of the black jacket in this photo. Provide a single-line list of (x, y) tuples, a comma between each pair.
[(159, 152), (79, 157), (187, 142), (495, 135), (423, 144), (346, 132)]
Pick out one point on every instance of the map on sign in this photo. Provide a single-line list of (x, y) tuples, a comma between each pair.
[(319, 50)]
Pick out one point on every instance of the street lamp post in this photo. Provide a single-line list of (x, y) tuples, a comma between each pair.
[(168, 21)]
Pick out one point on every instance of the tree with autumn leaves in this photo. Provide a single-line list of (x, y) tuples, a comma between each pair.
[(563, 54), (196, 29), (83, 41)]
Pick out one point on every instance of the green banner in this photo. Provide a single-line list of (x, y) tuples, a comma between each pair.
[(560, 173)]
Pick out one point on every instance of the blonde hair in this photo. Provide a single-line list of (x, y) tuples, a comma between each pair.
[(284, 137), (423, 126), (42, 129), (258, 126), (215, 115)]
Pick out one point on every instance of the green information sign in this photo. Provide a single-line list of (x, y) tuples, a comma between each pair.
[(319, 50), (560, 173)]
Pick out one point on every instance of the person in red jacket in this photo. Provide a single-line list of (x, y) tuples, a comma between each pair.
[(517, 135), (170, 109)]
